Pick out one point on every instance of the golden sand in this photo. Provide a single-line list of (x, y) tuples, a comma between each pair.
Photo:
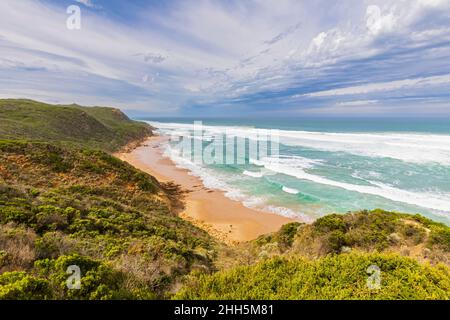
[(227, 220)]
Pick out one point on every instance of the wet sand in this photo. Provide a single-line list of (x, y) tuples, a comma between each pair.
[(227, 220)]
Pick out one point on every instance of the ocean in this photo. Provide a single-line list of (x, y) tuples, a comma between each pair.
[(325, 166)]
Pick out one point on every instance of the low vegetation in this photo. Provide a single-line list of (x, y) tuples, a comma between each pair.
[(329, 259), (368, 231), (342, 276)]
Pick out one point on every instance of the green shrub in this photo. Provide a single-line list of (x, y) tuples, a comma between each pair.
[(53, 157), (416, 234), (13, 214), (3, 254), (53, 244), (98, 280), (144, 183), (329, 223), (287, 233), (336, 240), (51, 218), (441, 236), (21, 286)]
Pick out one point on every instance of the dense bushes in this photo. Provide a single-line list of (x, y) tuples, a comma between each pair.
[(365, 231), (440, 235), (376, 230), (97, 281), (106, 213), (21, 286), (283, 238), (342, 276), (332, 222)]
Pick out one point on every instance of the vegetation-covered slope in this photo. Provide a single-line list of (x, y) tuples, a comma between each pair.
[(366, 231), (61, 207), (95, 127), (343, 276), (329, 259)]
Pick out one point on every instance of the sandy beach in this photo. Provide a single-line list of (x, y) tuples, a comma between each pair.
[(227, 220)]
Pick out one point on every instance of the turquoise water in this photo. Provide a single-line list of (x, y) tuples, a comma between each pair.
[(332, 165)]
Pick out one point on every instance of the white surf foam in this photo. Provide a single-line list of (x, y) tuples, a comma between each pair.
[(290, 190), (212, 181), (289, 213), (408, 147), (420, 199), (253, 174), (256, 162), (209, 179)]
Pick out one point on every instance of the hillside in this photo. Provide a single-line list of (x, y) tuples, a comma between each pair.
[(343, 276), (366, 231), (329, 259), (94, 127), (61, 207)]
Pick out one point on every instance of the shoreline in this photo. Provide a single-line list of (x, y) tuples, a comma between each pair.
[(225, 219)]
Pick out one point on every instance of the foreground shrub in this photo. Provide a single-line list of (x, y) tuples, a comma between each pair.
[(333, 277), (98, 280), (21, 286)]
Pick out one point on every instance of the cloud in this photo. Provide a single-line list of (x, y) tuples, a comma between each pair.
[(318, 41), (191, 55), (154, 58), (356, 103), (384, 86), (377, 23), (87, 3)]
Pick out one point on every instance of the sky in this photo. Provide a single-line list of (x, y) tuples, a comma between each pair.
[(231, 58)]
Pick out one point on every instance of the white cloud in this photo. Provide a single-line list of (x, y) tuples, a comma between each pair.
[(87, 3), (317, 41), (356, 103), (382, 86), (433, 3), (377, 22)]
